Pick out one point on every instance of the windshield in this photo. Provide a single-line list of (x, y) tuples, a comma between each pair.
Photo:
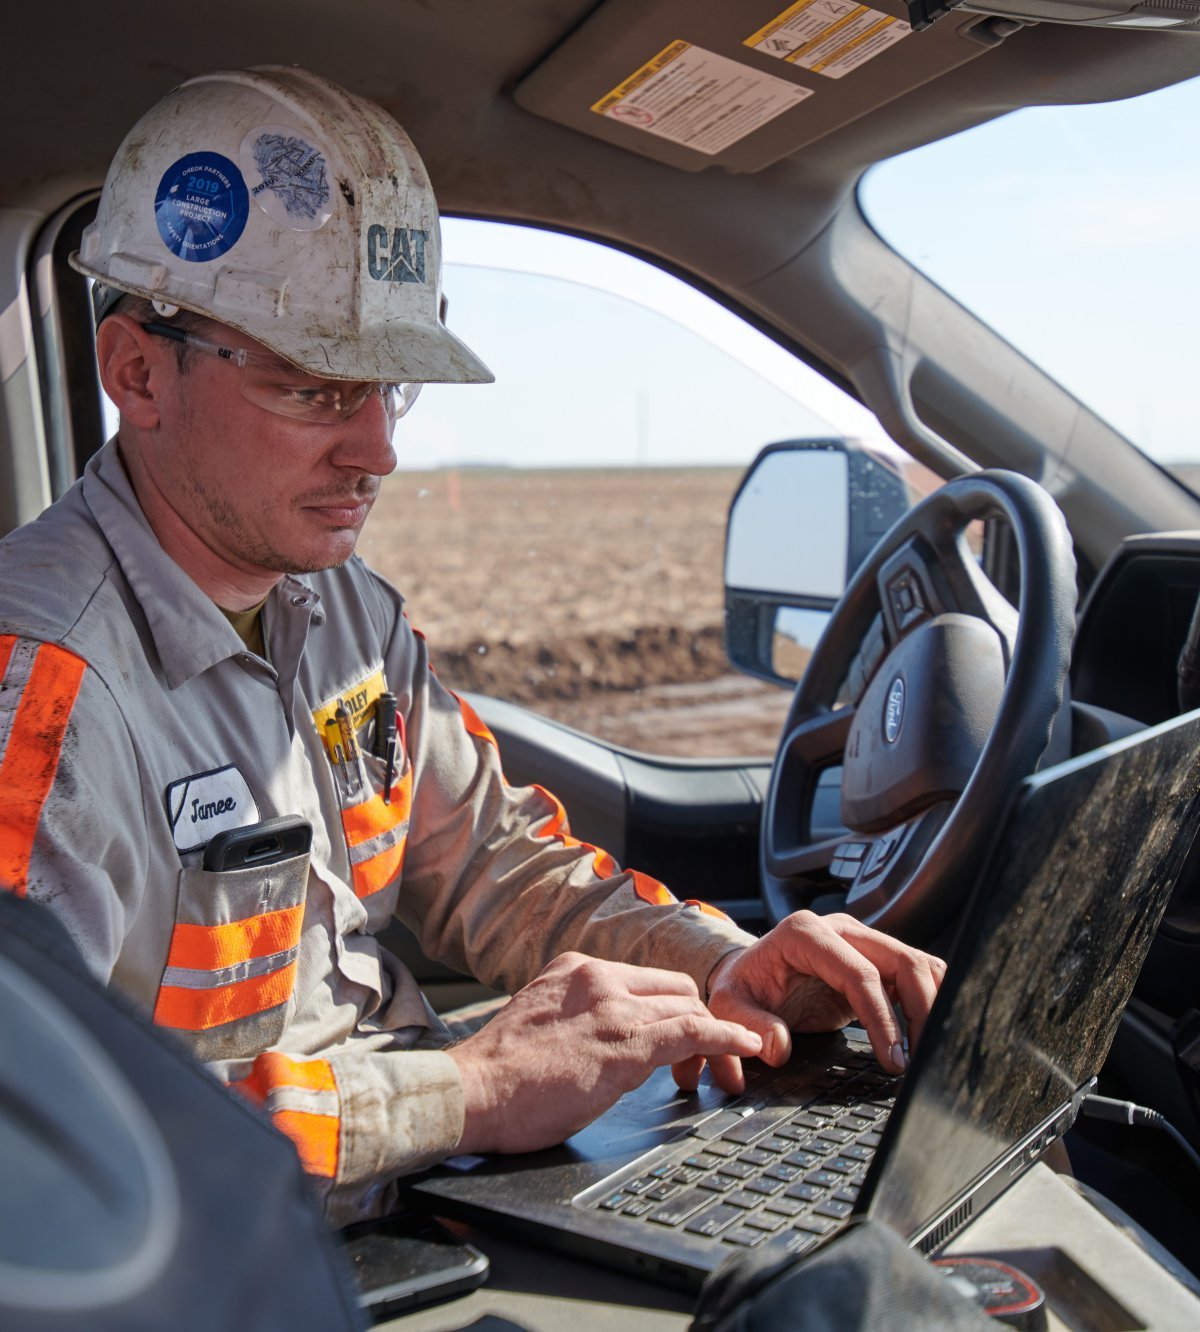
[(1075, 233)]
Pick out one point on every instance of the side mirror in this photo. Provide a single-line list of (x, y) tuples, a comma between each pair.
[(805, 516)]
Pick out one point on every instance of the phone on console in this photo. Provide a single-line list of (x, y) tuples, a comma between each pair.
[(402, 1261)]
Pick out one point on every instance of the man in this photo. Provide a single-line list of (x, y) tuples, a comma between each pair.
[(188, 646)]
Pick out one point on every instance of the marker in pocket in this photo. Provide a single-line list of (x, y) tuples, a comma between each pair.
[(385, 740)]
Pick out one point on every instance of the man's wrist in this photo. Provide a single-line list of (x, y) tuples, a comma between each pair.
[(719, 967)]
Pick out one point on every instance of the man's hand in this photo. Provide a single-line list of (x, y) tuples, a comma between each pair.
[(816, 973), (574, 1041)]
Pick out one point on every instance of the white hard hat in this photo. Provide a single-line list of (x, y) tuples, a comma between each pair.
[(276, 202)]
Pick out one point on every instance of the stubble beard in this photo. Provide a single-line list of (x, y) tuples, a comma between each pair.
[(251, 548)]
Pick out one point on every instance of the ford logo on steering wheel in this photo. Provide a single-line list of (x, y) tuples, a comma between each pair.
[(893, 712)]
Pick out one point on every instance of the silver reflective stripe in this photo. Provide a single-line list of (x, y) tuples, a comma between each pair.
[(383, 841), (304, 1099), (16, 677), (191, 978)]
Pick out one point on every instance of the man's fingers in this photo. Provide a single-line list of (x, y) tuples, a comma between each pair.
[(735, 1006), (687, 1072), (726, 1072), (681, 1038), (847, 970)]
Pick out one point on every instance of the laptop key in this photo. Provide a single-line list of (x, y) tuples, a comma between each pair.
[(805, 1160), (661, 1192), (701, 1161), (856, 1152), (738, 1169), (763, 1186), (718, 1148), (755, 1156), (687, 1175), (824, 1178), (794, 1242), (775, 1144), (792, 1133), (764, 1220), (755, 1125), (848, 1193), (745, 1236), (613, 1203), (833, 1134), (680, 1207), (816, 1225), (869, 1139), (831, 1207), (717, 1183), (785, 1206), (787, 1173), (637, 1207), (639, 1185), (806, 1119), (842, 1165), (715, 1220), (743, 1199), (805, 1192)]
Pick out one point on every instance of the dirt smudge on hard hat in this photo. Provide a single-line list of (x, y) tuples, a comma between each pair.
[(347, 192)]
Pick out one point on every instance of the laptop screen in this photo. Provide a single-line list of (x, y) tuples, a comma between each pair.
[(1059, 926)]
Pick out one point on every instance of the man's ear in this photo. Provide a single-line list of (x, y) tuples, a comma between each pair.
[(132, 364)]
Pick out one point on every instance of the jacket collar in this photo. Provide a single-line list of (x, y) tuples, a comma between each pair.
[(189, 632)]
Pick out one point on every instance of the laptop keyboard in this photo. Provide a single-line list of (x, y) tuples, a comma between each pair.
[(788, 1168)]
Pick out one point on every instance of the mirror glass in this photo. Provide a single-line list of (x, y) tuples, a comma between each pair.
[(789, 526), (794, 638)]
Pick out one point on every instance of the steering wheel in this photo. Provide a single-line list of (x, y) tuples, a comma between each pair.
[(925, 703)]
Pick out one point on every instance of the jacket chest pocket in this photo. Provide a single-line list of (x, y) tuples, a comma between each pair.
[(228, 987)]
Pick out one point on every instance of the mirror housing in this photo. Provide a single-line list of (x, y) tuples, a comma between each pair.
[(807, 513)]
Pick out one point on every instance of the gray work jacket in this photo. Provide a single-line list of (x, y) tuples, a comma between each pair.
[(135, 725)]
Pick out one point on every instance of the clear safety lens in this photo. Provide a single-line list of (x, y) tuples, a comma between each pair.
[(278, 388)]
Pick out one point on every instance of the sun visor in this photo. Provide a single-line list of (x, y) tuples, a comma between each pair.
[(743, 85)]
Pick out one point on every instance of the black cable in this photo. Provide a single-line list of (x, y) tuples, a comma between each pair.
[(1126, 1112)]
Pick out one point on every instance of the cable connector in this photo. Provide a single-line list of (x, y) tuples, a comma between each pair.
[(1141, 1116)]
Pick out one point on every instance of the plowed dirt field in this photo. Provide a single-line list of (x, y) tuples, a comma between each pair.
[(594, 597)]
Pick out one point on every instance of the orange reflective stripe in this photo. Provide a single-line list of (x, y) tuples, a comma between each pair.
[(197, 1010), (650, 890), (474, 723), (208, 947), (706, 909), (372, 817), (7, 643), (31, 756), (315, 1138), (557, 824), (273, 1069), (372, 875), (314, 1134)]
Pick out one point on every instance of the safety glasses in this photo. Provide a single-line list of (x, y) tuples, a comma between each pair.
[(277, 387)]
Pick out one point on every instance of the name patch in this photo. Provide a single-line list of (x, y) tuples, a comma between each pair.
[(206, 803)]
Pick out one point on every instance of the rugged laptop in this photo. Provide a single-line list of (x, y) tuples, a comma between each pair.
[(668, 1183)]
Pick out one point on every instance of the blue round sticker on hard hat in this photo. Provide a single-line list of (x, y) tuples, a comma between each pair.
[(201, 207)]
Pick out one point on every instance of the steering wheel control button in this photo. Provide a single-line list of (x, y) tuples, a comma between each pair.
[(908, 601), (848, 859), (893, 710)]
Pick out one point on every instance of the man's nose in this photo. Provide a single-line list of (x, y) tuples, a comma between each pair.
[(365, 439)]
